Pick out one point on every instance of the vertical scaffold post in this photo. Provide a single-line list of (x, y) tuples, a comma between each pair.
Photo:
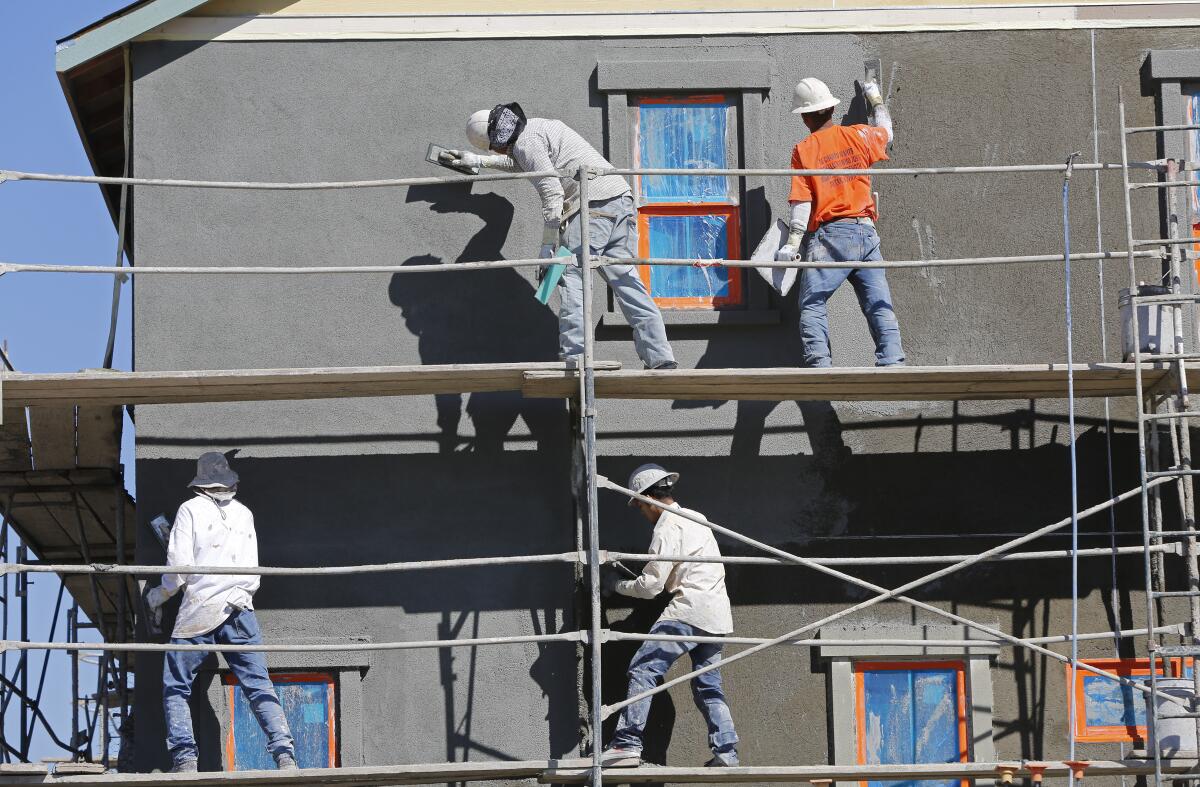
[(123, 606), (73, 636), (23, 605), (587, 407), (1140, 400), (1177, 225), (5, 694)]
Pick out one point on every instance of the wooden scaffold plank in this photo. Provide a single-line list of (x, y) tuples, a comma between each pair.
[(909, 383), (93, 388)]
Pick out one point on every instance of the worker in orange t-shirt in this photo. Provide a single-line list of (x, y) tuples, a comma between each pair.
[(833, 220)]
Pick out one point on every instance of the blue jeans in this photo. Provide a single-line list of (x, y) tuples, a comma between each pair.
[(846, 241), (612, 232), (651, 662), (179, 671)]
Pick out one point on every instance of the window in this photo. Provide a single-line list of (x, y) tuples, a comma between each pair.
[(911, 712), (682, 217), (1106, 710), (308, 701)]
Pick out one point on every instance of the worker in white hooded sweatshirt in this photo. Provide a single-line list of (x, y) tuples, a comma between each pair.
[(213, 529), (539, 145)]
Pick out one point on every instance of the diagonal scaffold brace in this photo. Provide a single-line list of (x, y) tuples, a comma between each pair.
[(884, 593)]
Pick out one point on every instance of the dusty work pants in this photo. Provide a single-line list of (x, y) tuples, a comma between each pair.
[(846, 241), (250, 669), (612, 232), (651, 663)]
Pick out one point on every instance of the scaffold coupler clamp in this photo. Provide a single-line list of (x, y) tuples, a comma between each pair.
[(1037, 771), (1071, 165), (1006, 773)]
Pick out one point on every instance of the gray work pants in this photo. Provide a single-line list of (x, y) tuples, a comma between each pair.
[(612, 233)]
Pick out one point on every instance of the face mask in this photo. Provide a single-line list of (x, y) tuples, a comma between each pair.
[(220, 494)]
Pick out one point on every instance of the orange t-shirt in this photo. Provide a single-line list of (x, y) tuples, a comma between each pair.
[(838, 196)]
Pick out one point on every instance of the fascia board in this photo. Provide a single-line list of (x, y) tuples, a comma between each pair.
[(110, 35)]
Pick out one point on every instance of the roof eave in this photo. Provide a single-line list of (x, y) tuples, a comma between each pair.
[(118, 30)]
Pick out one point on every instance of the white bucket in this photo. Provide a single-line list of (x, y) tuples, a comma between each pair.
[(1174, 736), (1156, 326)]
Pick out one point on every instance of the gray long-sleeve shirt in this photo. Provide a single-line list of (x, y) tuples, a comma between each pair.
[(551, 144)]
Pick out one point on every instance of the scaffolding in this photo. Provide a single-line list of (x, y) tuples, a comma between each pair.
[(1157, 379)]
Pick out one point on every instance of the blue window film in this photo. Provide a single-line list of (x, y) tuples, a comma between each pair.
[(306, 706), (911, 717), (1111, 704), (692, 238), (683, 136)]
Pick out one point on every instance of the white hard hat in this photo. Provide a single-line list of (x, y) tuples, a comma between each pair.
[(812, 95), (649, 475), (477, 126)]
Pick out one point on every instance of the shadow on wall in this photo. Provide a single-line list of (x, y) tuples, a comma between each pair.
[(487, 316), (729, 349)]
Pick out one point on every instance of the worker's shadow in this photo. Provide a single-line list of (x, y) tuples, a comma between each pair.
[(479, 316), (782, 348)]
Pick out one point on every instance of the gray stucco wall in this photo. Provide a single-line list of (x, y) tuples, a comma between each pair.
[(389, 479)]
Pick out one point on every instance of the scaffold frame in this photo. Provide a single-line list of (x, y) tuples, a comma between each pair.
[(1169, 388)]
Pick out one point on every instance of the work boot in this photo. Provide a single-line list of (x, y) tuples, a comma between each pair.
[(184, 766), (286, 761), (665, 366), (621, 757), (723, 759)]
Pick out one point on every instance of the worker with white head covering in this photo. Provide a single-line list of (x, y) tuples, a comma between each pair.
[(833, 220), (699, 607), (538, 145), (213, 529)]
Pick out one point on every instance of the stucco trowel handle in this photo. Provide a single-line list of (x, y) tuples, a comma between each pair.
[(550, 278)]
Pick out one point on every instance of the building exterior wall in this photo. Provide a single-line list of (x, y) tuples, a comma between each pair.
[(369, 480)]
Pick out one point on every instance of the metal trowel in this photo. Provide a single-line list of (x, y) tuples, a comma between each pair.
[(436, 154)]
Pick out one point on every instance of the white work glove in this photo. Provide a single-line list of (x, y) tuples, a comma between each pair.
[(463, 157), (872, 93), (790, 250), (608, 583), (155, 598)]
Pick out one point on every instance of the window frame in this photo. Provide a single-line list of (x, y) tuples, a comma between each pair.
[(1124, 667), (959, 666), (737, 298), (231, 686)]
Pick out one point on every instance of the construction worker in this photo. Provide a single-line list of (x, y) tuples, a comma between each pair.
[(833, 220), (213, 529), (538, 145), (699, 607)]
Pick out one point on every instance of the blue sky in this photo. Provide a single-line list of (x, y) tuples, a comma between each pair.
[(51, 322)]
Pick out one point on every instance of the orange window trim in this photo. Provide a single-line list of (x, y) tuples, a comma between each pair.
[(733, 239), (1109, 733), (860, 700), (231, 686)]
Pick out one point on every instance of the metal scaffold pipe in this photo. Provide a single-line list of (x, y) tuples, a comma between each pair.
[(17, 175), (251, 185), (512, 560), (159, 647), (290, 571), (884, 593)]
